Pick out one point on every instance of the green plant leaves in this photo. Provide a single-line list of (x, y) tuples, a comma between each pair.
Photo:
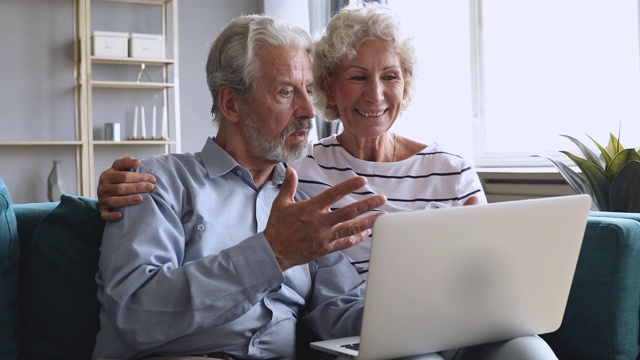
[(588, 154), (596, 178), (577, 182), (612, 179), (625, 188), (614, 145), (605, 154), (620, 160)]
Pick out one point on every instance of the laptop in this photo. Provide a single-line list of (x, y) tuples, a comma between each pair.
[(461, 276)]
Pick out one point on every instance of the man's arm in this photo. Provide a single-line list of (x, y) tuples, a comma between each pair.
[(158, 271), (118, 187), (144, 273), (337, 300), (148, 285)]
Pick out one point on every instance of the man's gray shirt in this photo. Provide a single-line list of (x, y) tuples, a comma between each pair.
[(189, 270)]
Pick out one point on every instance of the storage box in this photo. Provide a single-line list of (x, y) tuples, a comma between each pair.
[(146, 46), (112, 131), (110, 44)]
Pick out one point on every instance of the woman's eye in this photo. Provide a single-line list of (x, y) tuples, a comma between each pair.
[(357, 78), (390, 77)]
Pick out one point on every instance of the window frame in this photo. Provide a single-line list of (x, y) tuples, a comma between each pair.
[(481, 157)]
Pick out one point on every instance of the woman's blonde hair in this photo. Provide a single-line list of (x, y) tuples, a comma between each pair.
[(346, 31)]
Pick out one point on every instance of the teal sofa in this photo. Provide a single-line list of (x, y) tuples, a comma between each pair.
[(48, 260), (49, 255)]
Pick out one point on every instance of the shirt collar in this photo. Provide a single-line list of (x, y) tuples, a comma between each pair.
[(218, 162)]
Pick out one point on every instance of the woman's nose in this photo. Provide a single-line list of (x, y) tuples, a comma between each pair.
[(374, 92)]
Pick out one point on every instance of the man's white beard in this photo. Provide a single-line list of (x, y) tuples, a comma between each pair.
[(275, 150)]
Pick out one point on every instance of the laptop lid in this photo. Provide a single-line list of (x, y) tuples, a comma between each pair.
[(461, 276)]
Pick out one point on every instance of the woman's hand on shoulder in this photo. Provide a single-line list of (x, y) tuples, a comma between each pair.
[(118, 186)]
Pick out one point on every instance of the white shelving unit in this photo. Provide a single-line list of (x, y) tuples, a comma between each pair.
[(164, 88), (100, 90)]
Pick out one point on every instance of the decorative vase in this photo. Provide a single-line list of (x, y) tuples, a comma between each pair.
[(55, 185)]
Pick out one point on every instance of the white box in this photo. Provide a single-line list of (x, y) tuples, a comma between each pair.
[(110, 44), (112, 131), (146, 46)]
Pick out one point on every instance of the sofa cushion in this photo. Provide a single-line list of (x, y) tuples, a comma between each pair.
[(601, 320), (28, 217), (60, 311), (9, 254)]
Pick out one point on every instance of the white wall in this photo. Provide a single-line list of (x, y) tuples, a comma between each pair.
[(200, 21), (37, 101)]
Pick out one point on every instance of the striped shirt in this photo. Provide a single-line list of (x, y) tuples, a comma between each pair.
[(431, 179)]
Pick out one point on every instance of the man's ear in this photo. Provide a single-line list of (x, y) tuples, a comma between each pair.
[(227, 100)]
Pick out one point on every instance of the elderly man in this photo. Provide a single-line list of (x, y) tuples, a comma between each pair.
[(224, 256)]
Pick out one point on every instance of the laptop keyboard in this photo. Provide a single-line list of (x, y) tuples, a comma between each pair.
[(355, 346)]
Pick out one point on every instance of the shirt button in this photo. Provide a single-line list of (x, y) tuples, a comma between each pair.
[(200, 227), (256, 342), (239, 172)]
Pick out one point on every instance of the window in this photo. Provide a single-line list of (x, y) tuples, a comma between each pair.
[(536, 69), (557, 67)]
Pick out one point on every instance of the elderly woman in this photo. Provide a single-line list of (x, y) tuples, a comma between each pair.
[(364, 70), (363, 76)]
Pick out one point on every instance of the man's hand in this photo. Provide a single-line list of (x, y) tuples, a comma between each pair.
[(120, 187), (300, 232)]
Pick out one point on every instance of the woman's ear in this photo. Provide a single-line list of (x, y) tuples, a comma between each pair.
[(227, 100), (330, 99)]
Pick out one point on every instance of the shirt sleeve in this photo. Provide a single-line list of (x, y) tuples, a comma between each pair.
[(470, 184), (151, 296), (337, 300)]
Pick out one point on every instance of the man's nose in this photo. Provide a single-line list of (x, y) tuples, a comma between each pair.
[(305, 108)]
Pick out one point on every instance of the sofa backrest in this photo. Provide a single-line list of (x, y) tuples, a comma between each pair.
[(28, 216), (60, 308), (9, 275), (48, 305)]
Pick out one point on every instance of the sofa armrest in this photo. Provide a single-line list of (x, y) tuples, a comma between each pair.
[(601, 320)]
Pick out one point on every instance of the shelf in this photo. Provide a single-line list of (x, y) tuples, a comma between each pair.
[(112, 72), (148, 2), (41, 143), (130, 85), (134, 142), (130, 61)]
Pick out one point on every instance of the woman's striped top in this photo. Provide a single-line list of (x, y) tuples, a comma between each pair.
[(432, 178)]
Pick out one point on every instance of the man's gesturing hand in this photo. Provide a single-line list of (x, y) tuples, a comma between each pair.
[(300, 232)]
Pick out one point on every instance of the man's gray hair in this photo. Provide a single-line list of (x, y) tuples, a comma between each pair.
[(232, 59)]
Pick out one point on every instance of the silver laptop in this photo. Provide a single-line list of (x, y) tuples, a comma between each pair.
[(462, 276)]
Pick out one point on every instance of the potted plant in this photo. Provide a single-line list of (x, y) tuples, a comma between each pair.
[(612, 179)]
